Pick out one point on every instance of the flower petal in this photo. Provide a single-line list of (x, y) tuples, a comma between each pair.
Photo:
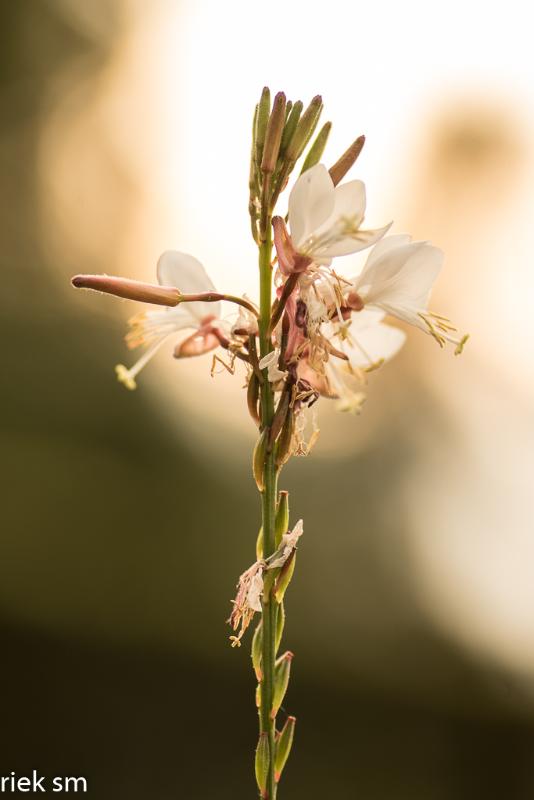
[(373, 345), (189, 276), (346, 245), (349, 204), (401, 277), (311, 202), (197, 344)]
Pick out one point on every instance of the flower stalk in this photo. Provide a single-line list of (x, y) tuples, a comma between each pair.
[(313, 333), (268, 505)]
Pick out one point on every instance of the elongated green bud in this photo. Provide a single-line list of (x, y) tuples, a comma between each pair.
[(305, 128), (280, 622), (281, 522), (283, 746), (257, 643), (258, 459), (347, 160), (317, 149), (262, 763), (262, 118), (289, 106), (282, 669), (273, 135), (284, 578), (290, 126)]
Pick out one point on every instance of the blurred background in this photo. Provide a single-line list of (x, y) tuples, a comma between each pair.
[(126, 518)]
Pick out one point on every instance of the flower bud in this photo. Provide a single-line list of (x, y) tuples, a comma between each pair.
[(283, 746), (305, 128), (273, 135), (343, 164), (280, 622), (290, 126), (282, 669), (262, 763), (258, 459), (257, 643), (317, 149), (281, 521), (284, 578), (129, 289), (260, 128)]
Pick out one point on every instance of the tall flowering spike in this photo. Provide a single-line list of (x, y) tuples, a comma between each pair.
[(152, 328), (313, 333), (397, 279)]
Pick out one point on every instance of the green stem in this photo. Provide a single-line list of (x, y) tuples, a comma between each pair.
[(268, 508)]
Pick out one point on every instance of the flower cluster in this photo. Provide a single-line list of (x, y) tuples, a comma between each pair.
[(327, 330)]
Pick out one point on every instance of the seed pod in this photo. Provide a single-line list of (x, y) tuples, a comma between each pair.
[(282, 669), (343, 164), (317, 149), (259, 545), (280, 622), (257, 643), (284, 578), (283, 747), (253, 393), (262, 763), (258, 459), (282, 410), (281, 522), (283, 445)]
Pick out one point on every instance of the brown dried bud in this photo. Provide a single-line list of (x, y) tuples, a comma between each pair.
[(347, 160)]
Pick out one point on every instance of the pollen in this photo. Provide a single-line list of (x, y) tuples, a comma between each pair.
[(125, 377)]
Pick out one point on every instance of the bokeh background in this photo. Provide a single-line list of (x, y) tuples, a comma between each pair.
[(126, 518)]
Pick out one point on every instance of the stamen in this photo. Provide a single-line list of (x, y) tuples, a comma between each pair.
[(127, 376)]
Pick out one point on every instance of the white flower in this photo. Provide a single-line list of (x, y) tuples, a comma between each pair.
[(397, 279), (367, 343), (154, 327), (270, 362), (325, 220)]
